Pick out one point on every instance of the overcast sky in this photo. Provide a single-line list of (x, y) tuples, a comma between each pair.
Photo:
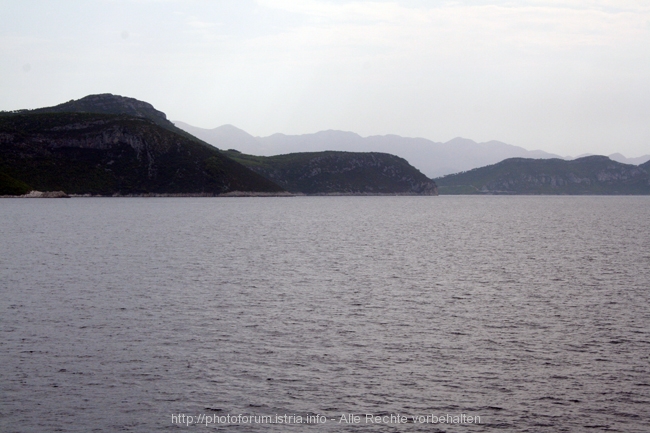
[(568, 77)]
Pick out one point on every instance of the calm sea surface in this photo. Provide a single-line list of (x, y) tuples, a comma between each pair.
[(119, 314)]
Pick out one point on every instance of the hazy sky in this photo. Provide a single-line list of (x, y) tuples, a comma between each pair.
[(568, 77)]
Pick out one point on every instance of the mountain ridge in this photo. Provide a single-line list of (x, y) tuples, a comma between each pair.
[(434, 159), (334, 172), (588, 175), (108, 103)]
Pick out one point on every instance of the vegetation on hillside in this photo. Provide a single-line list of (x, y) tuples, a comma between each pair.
[(339, 172), (107, 103), (108, 154), (589, 175)]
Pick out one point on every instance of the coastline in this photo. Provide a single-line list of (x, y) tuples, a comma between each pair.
[(61, 194)]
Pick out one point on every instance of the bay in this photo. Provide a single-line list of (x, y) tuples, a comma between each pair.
[(528, 312)]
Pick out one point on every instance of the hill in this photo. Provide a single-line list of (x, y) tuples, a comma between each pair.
[(107, 103), (432, 158), (588, 175), (634, 161), (340, 173), (100, 153), (228, 137)]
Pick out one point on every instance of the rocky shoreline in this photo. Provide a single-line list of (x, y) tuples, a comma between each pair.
[(39, 194), (61, 194)]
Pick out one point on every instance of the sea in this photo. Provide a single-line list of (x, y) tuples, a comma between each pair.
[(325, 314)]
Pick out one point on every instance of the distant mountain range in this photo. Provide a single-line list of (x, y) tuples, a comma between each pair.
[(432, 158), (621, 158), (587, 175), (108, 144)]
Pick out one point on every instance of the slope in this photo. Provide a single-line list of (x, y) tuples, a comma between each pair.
[(340, 173), (588, 175), (89, 153), (107, 103)]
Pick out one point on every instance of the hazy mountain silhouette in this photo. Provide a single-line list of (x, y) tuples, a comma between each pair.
[(226, 137), (434, 159), (618, 157), (623, 160)]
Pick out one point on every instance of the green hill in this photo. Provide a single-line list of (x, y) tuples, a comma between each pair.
[(333, 172), (589, 175), (80, 153)]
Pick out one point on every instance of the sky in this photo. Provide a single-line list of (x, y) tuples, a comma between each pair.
[(568, 77)]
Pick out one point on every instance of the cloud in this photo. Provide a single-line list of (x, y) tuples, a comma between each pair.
[(348, 11), (542, 23), (528, 72), (198, 24)]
